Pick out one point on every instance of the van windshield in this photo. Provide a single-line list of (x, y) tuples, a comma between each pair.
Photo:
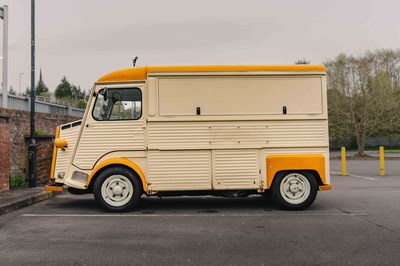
[(120, 104)]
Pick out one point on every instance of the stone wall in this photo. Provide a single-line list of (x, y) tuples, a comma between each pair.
[(14, 140)]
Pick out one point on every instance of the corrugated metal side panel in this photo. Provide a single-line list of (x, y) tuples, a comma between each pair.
[(178, 135), (64, 156), (296, 134), (103, 137), (179, 170), (235, 169)]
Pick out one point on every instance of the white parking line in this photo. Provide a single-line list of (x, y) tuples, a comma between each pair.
[(195, 215), (365, 177)]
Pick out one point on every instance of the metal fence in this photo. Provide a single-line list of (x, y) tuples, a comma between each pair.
[(42, 105)]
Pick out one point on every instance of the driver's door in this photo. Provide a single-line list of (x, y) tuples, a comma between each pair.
[(114, 122)]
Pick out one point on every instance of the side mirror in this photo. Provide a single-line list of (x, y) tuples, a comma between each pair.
[(104, 92), (105, 95)]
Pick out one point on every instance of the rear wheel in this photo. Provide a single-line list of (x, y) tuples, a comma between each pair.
[(294, 190), (117, 189)]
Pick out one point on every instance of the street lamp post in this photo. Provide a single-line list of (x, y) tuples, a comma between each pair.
[(32, 142), (20, 74), (4, 17)]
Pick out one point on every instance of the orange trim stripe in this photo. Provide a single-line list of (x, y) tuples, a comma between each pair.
[(53, 161), (121, 161), (140, 73)]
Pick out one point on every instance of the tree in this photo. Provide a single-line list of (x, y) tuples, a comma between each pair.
[(302, 61), (363, 96), (27, 91), (41, 88), (64, 89), (81, 104), (77, 93), (12, 91)]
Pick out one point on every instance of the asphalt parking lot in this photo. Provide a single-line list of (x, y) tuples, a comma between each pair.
[(355, 223)]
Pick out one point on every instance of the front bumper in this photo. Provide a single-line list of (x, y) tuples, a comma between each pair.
[(55, 187)]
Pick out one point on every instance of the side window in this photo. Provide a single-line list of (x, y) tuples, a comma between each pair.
[(118, 104)]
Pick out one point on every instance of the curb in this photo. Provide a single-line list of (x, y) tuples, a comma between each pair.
[(24, 201)]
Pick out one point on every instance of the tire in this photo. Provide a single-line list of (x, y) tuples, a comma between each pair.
[(266, 193), (117, 189), (294, 190)]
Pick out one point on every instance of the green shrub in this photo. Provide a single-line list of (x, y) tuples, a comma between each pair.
[(17, 181), (81, 104), (40, 132)]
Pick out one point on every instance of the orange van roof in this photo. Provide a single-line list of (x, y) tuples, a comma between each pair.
[(140, 73)]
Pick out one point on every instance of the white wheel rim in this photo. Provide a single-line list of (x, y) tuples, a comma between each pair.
[(295, 188), (117, 190)]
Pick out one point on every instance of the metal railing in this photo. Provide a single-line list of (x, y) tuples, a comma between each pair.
[(42, 105)]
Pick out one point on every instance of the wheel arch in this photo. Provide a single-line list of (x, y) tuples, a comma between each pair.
[(113, 162), (314, 173), (313, 163)]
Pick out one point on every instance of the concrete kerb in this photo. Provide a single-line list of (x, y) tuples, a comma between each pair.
[(18, 198)]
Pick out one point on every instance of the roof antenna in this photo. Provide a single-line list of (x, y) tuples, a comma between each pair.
[(134, 61)]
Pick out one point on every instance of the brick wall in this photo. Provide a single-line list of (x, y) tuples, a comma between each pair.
[(44, 153), (14, 140), (4, 152)]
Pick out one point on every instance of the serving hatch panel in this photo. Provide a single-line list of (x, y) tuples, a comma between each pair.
[(240, 95)]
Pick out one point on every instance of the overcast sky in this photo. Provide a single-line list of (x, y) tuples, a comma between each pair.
[(85, 39)]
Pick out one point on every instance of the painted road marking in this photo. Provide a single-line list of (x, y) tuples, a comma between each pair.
[(193, 215), (365, 177)]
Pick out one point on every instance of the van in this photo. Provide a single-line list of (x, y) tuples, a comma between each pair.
[(199, 130)]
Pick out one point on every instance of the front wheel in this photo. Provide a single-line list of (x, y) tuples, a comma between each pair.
[(117, 189), (294, 190)]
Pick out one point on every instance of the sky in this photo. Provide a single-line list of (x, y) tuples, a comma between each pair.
[(86, 39)]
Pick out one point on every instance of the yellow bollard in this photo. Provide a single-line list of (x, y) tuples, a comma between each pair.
[(343, 150), (381, 161)]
